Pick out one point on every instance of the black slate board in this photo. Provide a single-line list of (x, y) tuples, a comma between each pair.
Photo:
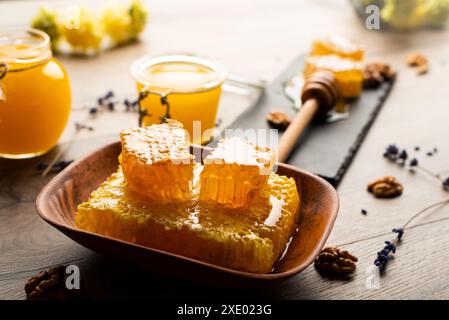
[(326, 149)]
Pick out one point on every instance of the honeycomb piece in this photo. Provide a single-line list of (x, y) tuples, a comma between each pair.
[(157, 163), (249, 239), (348, 73), (339, 46), (234, 170)]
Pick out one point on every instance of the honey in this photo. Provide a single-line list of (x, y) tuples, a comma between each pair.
[(234, 170), (339, 46), (231, 211), (349, 73), (192, 87), (35, 95), (157, 163), (250, 238)]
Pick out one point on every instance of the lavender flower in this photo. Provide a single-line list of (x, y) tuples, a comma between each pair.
[(58, 166), (389, 249), (400, 232), (403, 155), (385, 255), (101, 100), (128, 104), (109, 95), (391, 152), (413, 162), (81, 126)]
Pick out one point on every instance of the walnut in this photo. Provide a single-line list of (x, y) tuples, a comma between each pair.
[(333, 260), (376, 73), (387, 187), (278, 120), (419, 61), (48, 285)]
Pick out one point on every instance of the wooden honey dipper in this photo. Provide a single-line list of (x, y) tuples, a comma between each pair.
[(319, 95)]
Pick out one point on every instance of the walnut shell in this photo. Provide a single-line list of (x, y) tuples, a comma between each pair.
[(386, 187)]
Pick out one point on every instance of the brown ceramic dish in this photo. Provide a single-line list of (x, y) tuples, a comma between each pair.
[(58, 200)]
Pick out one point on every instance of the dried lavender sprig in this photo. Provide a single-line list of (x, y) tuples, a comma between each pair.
[(105, 98), (58, 166), (399, 231), (393, 153), (81, 126), (386, 253), (406, 225)]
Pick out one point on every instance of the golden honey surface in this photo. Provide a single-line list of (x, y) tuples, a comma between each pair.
[(156, 161), (349, 73), (250, 238), (194, 90), (234, 170)]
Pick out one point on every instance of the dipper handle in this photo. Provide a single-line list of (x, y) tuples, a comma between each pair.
[(319, 95)]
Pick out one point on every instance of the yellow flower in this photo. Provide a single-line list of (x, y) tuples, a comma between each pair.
[(47, 21), (124, 24), (139, 16), (82, 29), (116, 22)]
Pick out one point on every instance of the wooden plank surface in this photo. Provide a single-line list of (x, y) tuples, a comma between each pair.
[(257, 39)]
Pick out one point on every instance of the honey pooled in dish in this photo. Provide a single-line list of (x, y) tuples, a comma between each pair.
[(349, 73), (244, 224), (157, 163), (339, 46), (251, 238), (233, 170)]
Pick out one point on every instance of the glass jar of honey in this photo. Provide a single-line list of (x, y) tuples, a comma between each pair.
[(35, 95), (180, 87)]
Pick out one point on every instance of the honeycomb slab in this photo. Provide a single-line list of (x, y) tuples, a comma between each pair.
[(349, 73), (157, 163), (249, 239), (234, 171), (339, 46)]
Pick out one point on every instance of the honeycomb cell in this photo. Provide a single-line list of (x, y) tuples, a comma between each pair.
[(235, 170), (349, 73), (157, 163), (249, 239)]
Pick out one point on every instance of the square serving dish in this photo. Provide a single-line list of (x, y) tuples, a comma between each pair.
[(58, 200)]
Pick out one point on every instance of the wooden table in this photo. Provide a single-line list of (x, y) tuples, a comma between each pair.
[(258, 38)]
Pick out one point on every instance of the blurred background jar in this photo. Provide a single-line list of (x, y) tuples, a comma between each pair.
[(407, 14), (35, 94)]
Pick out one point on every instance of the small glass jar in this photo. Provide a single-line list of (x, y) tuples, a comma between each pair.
[(180, 87), (35, 94)]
